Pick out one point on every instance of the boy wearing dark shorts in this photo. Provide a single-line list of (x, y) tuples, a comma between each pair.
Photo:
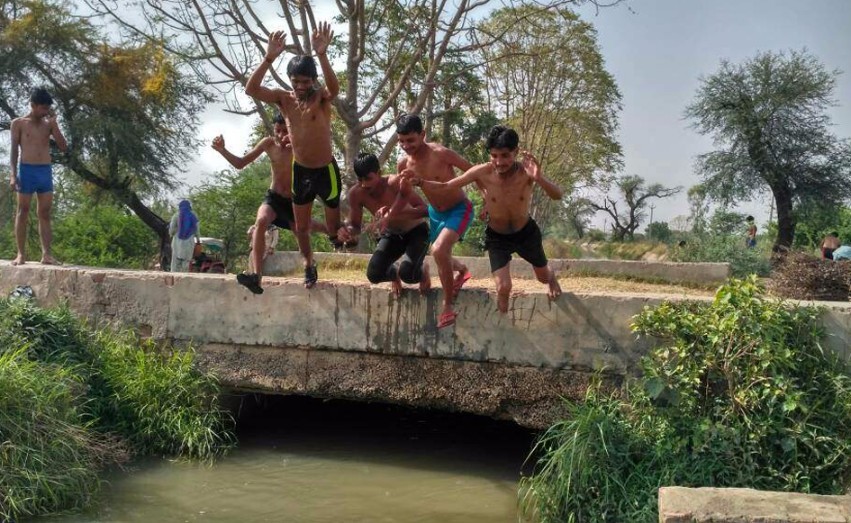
[(404, 233), (508, 185), (277, 206), (307, 110)]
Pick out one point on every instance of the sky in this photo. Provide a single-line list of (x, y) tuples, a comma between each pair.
[(657, 51)]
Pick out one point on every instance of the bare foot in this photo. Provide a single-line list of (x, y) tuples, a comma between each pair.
[(396, 286), (50, 260), (425, 280), (555, 288), (19, 260)]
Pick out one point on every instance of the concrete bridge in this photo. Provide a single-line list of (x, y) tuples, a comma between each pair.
[(358, 342)]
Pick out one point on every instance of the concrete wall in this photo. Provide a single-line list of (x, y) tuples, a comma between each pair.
[(289, 262), (355, 341), (735, 505)]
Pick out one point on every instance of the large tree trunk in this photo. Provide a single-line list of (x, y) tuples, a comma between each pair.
[(785, 218)]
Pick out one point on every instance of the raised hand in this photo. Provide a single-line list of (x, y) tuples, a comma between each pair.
[(531, 165), (277, 42), (50, 119), (218, 143), (321, 38)]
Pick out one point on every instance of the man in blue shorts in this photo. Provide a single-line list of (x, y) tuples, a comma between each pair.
[(449, 209), (31, 136)]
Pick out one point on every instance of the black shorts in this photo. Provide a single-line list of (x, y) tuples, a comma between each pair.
[(527, 243), (324, 182), (283, 207), (411, 246)]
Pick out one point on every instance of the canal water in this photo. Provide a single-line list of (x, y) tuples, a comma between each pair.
[(307, 460)]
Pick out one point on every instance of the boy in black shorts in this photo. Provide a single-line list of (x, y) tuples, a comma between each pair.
[(406, 233), (307, 109), (277, 206), (508, 185)]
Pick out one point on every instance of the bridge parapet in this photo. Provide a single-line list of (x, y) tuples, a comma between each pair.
[(357, 341)]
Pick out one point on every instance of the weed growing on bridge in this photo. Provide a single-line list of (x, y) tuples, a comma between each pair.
[(739, 393), (75, 399)]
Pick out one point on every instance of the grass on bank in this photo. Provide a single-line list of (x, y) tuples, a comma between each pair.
[(739, 393), (74, 399)]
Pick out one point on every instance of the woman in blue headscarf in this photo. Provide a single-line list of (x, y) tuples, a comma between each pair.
[(184, 233)]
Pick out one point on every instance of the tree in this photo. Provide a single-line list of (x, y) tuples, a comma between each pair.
[(635, 195), (128, 111), (659, 231), (394, 52), (546, 77), (768, 119), (727, 223)]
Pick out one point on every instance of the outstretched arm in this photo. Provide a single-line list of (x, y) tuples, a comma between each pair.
[(240, 162), (471, 176), (533, 170), (321, 39), (254, 87)]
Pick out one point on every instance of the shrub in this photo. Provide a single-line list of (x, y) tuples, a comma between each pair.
[(729, 249), (739, 394)]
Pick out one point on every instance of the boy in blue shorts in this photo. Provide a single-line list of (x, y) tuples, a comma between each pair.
[(449, 209), (31, 136)]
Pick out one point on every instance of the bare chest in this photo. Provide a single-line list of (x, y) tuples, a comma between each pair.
[(431, 168)]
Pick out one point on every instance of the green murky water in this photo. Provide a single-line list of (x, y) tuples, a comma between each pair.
[(302, 460)]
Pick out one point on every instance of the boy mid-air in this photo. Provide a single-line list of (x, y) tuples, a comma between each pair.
[(508, 185), (404, 235), (307, 110)]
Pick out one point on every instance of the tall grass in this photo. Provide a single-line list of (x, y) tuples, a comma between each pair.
[(739, 394), (74, 399)]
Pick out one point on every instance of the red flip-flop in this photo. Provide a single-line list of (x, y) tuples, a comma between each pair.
[(446, 319), (456, 286)]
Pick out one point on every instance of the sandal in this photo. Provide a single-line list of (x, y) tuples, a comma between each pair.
[(310, 276), (250, 281), (446, 319), (456, 286)]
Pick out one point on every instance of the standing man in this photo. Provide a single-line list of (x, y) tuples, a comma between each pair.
[(277, 207), (750, 240), (508, 185), (31, 134), (307, 110), (403, 233), (449, 209)]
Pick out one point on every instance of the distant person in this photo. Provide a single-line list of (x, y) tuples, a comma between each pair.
[(276, 210), (31, 136), (508, 184), (829, 244), (403, 235), (750, 240), (184, 235)]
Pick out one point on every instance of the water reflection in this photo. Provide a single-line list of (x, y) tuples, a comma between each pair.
[(305, 460)]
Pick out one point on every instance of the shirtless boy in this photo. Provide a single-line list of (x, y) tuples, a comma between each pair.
[(277, 206), (31, 134), (449, 209), (307, 110), (508, 185), (405, 233)]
